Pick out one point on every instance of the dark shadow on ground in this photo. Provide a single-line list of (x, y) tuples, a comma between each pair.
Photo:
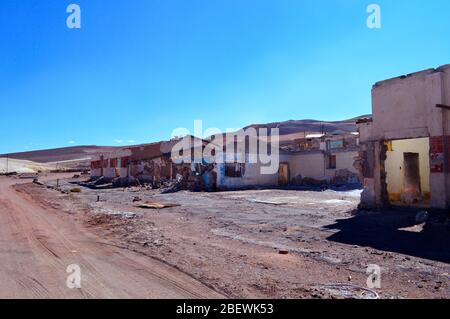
[(385, 231)]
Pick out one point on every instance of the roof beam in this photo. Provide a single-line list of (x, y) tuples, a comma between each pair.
[(442, 106)]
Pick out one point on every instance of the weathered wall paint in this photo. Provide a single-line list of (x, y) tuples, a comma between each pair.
[(395, 164), (404, 108)]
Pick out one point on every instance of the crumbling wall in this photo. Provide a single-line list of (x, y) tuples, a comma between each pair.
[(153, 171), (307, 165), (365, 164), (252, 177), (311, 168), (395, 166), (409, 107)]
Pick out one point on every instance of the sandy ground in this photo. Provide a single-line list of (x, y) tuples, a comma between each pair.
[(24, 166), (39, 242), (21, 166), (231, 241)]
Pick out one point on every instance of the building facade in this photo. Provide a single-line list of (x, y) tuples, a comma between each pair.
[(322, 160), (404, 156)]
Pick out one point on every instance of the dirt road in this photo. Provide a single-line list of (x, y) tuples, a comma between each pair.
[(37, 245)]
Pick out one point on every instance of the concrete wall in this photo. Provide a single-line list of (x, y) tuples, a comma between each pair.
[(252, 177), (313, 165), (404, 108), (365, 132), (113, 172), (308, 165), (95, 173), (344, 161), (152, 170), (108, 171)]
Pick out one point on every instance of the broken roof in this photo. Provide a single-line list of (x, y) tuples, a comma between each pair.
[(442, 68)]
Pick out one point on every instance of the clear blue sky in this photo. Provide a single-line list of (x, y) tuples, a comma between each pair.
[(138, 69)]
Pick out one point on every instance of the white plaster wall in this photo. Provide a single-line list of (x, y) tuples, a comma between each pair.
[(445, 201), (313, 165), (365, 132), (96, 172), (252, 177), (308, 165), (110, 172), (399, 106), (395, 164), (406, 107), (344, 161)]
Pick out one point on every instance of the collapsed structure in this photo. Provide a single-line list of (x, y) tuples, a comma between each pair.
[(147, 163), (322, 159), (404, 155), (316, 159), (313, 160)]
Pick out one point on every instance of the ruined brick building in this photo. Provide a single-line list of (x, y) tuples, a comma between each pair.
[(316, 159), (404, 155)]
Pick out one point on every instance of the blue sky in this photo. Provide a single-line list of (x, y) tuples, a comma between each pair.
[(138, 69)]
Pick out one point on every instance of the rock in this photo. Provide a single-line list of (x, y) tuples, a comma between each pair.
[(283, 252), (422, 217), (157, 243)]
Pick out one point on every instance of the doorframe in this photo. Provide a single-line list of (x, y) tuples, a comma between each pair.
[(288, 173)]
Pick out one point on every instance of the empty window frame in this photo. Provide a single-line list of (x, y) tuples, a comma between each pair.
[(331, 162), (234, 169)]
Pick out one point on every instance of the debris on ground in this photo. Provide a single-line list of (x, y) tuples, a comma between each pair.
[(422, 217), (228, 240), (156, 205), (266, 202), (347, 291)]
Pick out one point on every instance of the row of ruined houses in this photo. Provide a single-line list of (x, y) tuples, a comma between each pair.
[(323, 159), (400, 154)]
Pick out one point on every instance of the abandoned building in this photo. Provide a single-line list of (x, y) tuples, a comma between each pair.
[(111, 165), (316, 159), (144, 164), (404, 155), (148, 163)]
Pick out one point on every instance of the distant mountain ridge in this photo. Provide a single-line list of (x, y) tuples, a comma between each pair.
[(291, 129), (62, 154), (312, 126)]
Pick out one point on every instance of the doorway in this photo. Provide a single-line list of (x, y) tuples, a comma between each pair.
[(407, 167), (412, 191), (283, 174)]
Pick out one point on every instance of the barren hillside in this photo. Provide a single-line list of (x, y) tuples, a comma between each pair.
[(295, 127), (79, 156)]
